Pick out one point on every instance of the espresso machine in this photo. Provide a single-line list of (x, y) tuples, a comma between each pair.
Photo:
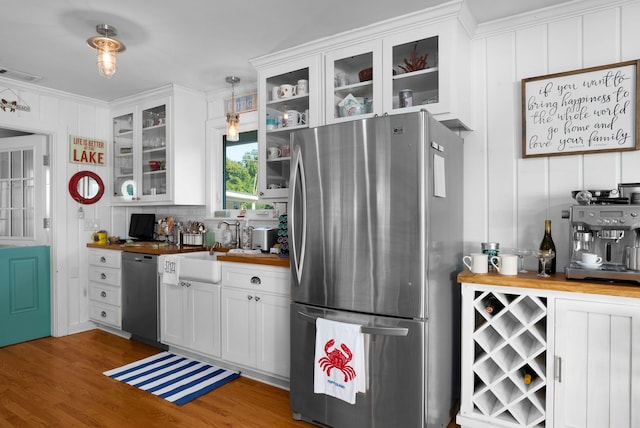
[(612, 231)]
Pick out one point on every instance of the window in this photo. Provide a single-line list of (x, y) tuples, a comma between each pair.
[(16, 194), (240, 166)]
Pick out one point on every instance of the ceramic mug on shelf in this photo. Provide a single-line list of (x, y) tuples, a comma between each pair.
[(273, 153), (505, 264), (304, 117), (275, 93), (294, 118), (302, 87), (271, 123), (285, 151), (476, 262), (287, 91)]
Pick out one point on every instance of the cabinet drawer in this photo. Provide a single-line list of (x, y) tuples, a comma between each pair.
[(104, 275), (106, 314), (256, 277), (108, 258), (105, 293)]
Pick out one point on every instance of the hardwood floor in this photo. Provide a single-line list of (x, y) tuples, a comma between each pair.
[(59, 382)]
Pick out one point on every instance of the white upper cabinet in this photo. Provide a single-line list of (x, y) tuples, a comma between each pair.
[(157, 151), (353, 82), (289, 99), (428, 67)]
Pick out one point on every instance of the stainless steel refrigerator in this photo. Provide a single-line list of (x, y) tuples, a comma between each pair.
[(375, 233)]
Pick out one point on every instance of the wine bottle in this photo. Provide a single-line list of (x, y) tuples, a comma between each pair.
[(547, 244), (527, 375), (492, 305)]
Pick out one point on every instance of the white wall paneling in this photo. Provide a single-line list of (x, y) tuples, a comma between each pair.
[(521, 193)]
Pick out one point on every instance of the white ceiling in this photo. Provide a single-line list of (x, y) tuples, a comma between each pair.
[(195, 43)]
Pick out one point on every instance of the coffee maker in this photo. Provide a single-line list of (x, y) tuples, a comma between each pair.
[(610, 230)]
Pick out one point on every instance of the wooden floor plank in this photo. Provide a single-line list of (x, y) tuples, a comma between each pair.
[(58, 382)]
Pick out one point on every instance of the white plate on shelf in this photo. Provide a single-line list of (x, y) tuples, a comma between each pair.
[(590, 265)]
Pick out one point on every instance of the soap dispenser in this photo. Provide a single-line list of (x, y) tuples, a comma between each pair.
[(246, 235), (227, 237)]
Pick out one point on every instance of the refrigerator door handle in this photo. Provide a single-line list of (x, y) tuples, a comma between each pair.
[(366, 329), (297, 172)]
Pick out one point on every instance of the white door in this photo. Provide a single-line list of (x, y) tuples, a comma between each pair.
[(597, 373), (24, 190)]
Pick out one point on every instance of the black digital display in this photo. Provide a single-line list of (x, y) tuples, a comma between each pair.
[(610, 213)]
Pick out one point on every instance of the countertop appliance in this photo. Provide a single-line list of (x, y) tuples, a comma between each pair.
[(263, 238), (612, 231), (140, 297), (375, 235)]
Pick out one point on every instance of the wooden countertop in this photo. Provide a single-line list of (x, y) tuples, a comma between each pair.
[(557, 282), (260, 259), (148, 248), (157, 249)]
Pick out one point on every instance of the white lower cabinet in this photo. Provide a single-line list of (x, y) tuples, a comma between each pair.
[(255, 317), (597, 365), (190, 316), (582, 352), (105, 301)]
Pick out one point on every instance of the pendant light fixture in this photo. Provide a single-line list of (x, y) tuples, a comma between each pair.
[(107, 48), (233, 118)]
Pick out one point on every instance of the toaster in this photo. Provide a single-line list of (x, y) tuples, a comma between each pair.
[(263, 238)]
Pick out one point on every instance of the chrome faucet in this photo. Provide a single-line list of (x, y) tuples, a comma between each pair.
[(237, 226)]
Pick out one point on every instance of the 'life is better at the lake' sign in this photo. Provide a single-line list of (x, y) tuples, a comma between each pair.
[(86, 150), (583, 111)]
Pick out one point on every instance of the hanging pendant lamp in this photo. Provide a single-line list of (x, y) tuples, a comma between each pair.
[(233, 118)]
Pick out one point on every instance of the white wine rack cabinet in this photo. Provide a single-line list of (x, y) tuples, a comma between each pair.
[(508, 343)]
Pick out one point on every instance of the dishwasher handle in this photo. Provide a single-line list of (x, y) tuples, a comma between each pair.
[(366, 329)]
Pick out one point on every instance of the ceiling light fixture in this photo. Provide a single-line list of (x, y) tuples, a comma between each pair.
[(107, 48), (233, 118)]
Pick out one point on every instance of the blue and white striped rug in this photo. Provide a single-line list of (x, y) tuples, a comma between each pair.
[(172, 377)]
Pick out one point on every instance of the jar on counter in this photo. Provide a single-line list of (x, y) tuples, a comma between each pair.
[(490, 249)]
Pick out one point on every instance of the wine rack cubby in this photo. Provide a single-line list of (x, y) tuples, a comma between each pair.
[(508, 343)]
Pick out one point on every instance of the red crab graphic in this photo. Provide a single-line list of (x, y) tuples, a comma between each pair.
[(338, 360)]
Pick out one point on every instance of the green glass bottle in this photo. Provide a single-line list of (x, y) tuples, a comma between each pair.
[(547, 244)]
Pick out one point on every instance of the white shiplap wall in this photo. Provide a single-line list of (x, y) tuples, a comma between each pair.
[(507, 198)]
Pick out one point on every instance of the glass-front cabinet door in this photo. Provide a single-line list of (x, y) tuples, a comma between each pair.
[(415, 80), (289, 95), (140, 154), (124, 184), (154, 152), (353, 82), (428, 67)]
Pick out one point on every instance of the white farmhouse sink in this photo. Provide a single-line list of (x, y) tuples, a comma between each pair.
[(200, 266)]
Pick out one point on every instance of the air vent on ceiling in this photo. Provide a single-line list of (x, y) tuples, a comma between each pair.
[(18, 75)]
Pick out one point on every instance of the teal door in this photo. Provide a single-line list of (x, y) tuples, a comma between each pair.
[(25, 301)]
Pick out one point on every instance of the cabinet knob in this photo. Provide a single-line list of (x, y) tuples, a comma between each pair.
[(103, 276), (103, 294), (249, 297), (257, 298), (103, 259), (188, 284), (255, 280), (103, 314)]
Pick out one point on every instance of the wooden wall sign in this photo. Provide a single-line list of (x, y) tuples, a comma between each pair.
[(87, 150), (592, 110)]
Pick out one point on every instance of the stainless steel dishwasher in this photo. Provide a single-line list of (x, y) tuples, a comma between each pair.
[(140, 297)]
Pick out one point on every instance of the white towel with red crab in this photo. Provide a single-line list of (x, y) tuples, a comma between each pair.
[(339, 368)]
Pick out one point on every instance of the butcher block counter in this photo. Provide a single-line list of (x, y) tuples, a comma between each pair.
[(147, 248), (161, 249), (260, 259), (557, 282)]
